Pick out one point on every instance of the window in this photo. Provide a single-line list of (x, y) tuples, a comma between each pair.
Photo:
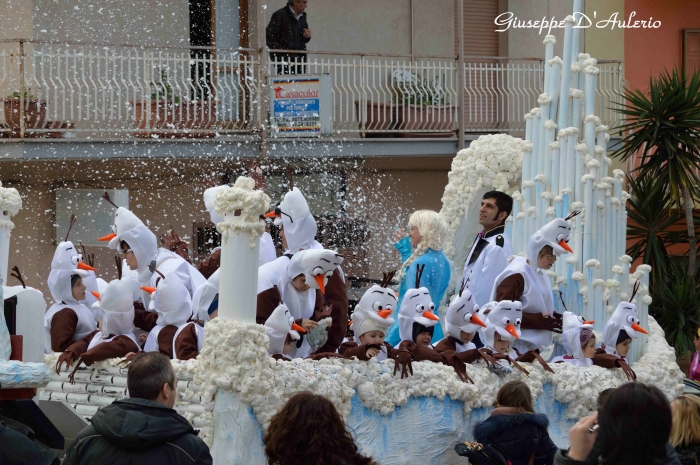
[(691, 50), (205, 239)]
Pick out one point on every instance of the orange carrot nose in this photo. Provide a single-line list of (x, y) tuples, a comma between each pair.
[(96, 294), (588, 322), (83, 266), (107, 238), (430, 316), (384, 313), (511, 329), (639, 329), (565, 246), (150, 290), (321, 280), (271, 215), (298, 328), (477, 321)]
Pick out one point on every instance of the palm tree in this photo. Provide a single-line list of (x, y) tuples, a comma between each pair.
[(663, 128)]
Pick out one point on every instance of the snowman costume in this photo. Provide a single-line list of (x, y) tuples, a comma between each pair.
[(171, 302), (206, 298), (524, 281), (67, 320), (504, 318), (144, 245), (372, 313), (571, 339), (487, 259), (463, 314), (624, 318), (294, 216), (266, 253), (277, 327)]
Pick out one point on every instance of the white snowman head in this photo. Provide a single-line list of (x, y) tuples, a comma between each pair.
[(463, 314), (375, 308), (295, 217), (171, 300), (66, 262), (278, 326), (129, 228), (571, 321), (209, 200), (317, 265), (416, 307), (556, 234), (117, 308), (623, 318), (504, 318)]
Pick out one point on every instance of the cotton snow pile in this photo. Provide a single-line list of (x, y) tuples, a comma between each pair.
[(493, 161), (242, 206)]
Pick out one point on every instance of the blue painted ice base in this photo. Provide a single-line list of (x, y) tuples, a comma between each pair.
[(422, 432)]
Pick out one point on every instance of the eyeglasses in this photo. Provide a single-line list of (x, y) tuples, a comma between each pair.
[(278, 212), (127, 251), (551, 256)]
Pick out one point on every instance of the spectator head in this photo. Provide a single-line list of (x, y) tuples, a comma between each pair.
[(308, 430), (151, 377), (685, 431), (603, 397), (515, 394), (297, 5), (495, 208), (635, 424), (696, 339)]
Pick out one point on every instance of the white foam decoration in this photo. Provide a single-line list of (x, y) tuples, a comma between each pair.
[(10, 200), (244, 199), (544, 99), (549, 39)]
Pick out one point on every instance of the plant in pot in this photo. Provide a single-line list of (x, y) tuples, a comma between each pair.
[(34, 114), (167, 115), (424, 105)]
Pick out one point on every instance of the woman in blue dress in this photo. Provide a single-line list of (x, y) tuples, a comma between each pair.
[(422, 246)]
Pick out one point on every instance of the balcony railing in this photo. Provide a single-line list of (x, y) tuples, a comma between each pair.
[(68, 90)]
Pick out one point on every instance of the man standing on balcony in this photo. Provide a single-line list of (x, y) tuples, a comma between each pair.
[(288, 30)]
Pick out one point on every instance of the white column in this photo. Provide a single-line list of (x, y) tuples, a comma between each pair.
[(241, 207), (576, 96), (563, 114), (548, 42), (554, 85)]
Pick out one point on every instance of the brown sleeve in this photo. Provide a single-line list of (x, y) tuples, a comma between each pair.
[(469, 356), (186, 343), (165, 340), (139, 306), (63, 327), (267, 303), (511, 288), (210, 265), (421, 353), (532, 321), (447, 343), (606, 360), (117, 347), (351, 349), (527, 357), (144, 320), (336, 295), (78, 348)]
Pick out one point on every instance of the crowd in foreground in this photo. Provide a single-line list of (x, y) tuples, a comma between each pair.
[(634, 424)]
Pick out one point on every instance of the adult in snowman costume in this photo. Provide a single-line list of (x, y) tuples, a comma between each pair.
[(311, 289), (68, 320), (170, 334), (578, 340), (283, 333), (115, 337), (139, 248), (619, 332), (525, 280)]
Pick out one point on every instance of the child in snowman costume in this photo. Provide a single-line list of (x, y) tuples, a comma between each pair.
[(68, 320), (619, 332), (312, 290), (416, 321), (502, 329), (115, 337), (370, 321), (526, 281), (283, 333), (205, 301), (578, 340), (172, 333), (139, 248)]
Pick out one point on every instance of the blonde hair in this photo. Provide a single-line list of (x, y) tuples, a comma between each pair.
[(685, 429), (433, 230)]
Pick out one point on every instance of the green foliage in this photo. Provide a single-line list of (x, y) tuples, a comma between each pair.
[(162, 90), (27, 95), (676, 305), (417, 89)]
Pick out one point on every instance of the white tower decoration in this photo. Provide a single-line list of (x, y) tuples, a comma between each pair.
[(10, 205), (241, 207)]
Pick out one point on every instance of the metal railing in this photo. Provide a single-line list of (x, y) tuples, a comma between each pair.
[(121, 91)]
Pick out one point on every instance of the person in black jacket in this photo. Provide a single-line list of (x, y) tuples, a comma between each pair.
[(144, 428), (289, 30), (18, 449), (516, 428)]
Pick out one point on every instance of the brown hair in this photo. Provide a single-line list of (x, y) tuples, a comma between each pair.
[(308, 430), (547, 249), (515, 394), (685, 426)]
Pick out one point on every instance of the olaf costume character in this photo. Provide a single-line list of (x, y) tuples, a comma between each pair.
[(266, 253), (294, 217), (523, 280), (144, 245), (278, 328), (574, 326), (463, 314), (205, 300), (67, 320), (171, 301), (487, 259), (504, 318)]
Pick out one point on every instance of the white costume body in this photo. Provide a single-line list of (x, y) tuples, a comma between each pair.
[(571, 340), (86, 322), (117, 308), (490, 261)]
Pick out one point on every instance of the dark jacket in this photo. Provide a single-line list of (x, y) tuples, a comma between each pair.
[(689, 455), (18, 449), (284, 29), (593, 458), (519, 435), (138, 431)]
